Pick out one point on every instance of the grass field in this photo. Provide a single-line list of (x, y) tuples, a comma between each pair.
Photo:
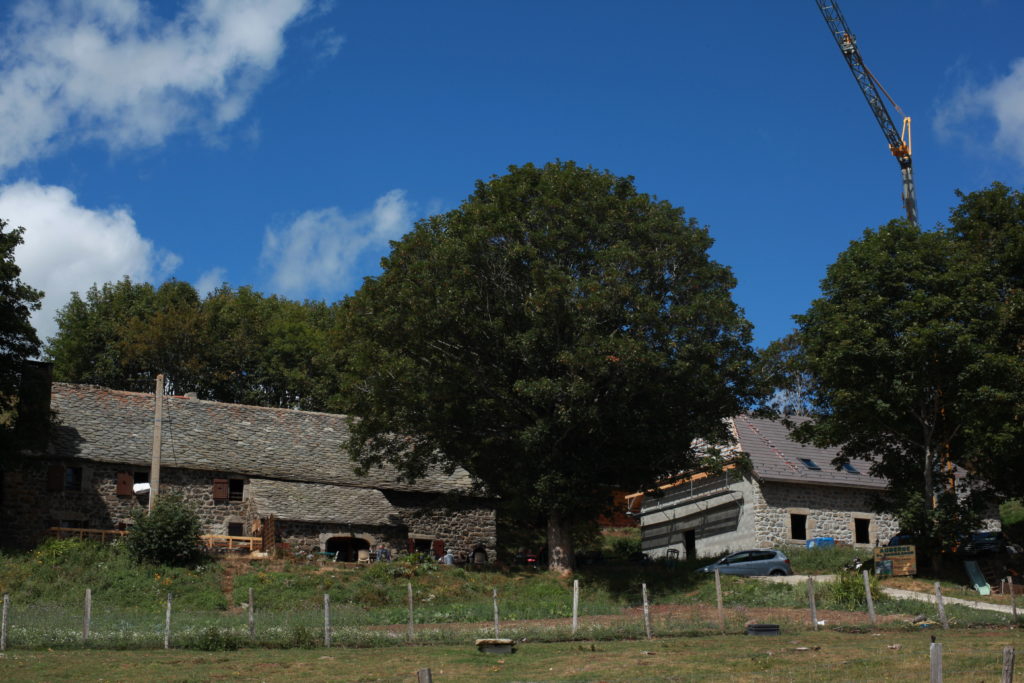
[(968, 655)]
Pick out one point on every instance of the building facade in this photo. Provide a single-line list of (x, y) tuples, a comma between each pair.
[(785, 493), (247, 471)]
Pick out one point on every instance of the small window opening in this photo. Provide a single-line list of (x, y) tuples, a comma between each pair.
[(798, 525), (235, 489), (861, 533), (809, 464), (235, 529), (140, 477), (73, 479)]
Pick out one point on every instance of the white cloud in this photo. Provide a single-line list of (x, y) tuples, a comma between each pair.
[(322, 251), (69, 247), (210, 280), (1002, 100), (111, 70)]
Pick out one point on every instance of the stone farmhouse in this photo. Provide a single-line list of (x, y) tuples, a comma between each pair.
[(279, 474), (790, 494)]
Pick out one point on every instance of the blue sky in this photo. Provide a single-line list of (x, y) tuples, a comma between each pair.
[(282, 143)]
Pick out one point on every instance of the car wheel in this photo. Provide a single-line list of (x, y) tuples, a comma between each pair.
[(777, 572)]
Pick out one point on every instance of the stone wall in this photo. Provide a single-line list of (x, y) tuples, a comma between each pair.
[(29, 509), (830, 512), (462, 524)]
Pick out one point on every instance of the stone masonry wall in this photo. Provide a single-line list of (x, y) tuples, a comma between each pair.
[(29, 509), (462, 524), (830, 512)]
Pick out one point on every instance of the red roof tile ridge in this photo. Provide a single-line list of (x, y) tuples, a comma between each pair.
[(767, 441)]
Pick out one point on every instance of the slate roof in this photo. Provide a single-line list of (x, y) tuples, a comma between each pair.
[(105, 425), (303, 502), (776, 456)]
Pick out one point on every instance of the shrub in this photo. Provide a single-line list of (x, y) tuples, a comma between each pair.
[(168, 535), (847, 592)]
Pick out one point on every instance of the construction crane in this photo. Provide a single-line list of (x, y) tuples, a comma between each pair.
[(899, 140)]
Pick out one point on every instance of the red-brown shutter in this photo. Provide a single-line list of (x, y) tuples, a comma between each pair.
[(438, 547), (55, 478), (410, 545), (125, 480), (221, 489)]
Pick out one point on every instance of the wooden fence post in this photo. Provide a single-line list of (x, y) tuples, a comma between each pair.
[(167, 623), (871, 600), (252, 615), (1013, 597), (721, 609), (424, 676), (575, 605), (87, 615), (3, 622), (327, 619), (1008, 657), (647, 611), (810, 600), (496, 625), (935, 659), (942, 606), (411, 630)]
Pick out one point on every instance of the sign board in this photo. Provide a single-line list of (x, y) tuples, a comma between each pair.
[(896, 560)]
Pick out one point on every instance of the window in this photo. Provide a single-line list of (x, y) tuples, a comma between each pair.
[(140, 477), (798, 527), (220, 489), (850, 468), (809, 464), (235, 529), (861, 530), (235, 489), (72, 478)]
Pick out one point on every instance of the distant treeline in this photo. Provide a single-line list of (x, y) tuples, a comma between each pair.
[(234, 345)]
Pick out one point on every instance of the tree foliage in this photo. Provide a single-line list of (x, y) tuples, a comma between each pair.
[(558, 335), (235, 345), (915, 365), (168, 535), (18, 339)]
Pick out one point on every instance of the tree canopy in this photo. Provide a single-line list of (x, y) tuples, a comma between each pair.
[(914, 362), (558, 335), (234, 345), (18, 339)]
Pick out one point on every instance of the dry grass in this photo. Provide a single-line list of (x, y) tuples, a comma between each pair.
[(809, 656)]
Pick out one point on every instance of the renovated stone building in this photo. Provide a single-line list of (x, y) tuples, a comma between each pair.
[(249, 471), (787, 494)]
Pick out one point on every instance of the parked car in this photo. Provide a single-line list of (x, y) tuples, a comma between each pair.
[(751, 563), (986, 543)]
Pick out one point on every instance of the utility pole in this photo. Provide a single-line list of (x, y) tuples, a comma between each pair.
[(154, 466)]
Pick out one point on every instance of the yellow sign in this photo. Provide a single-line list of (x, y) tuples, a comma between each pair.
[(896, 560)]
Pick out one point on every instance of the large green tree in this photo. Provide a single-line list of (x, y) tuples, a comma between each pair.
[(911, 355), (18, 339), (558, 335), (235, 345)]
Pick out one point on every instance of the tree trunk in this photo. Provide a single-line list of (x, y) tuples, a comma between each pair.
[(561, 556)]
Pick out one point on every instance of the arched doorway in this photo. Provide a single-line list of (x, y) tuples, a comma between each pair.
[(347, 546)]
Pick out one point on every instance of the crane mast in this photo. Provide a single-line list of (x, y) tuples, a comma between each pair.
[(899, 140)]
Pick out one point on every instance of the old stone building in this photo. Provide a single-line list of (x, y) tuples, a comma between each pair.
[(789, 494), (247, 470)]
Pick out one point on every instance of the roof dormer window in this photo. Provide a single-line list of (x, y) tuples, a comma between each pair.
[(809, 464)]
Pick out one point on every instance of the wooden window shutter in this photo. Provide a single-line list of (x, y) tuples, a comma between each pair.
[(221, 489), (125, 480), (55, 478), (438, 547), (410, 545)]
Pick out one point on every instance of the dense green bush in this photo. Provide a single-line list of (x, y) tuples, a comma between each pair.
[(847, 592), (168, 535)]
